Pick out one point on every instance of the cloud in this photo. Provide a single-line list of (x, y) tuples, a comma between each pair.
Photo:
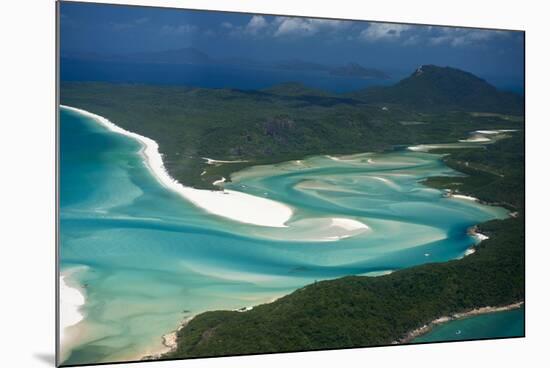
[(181, 29), (463, 36), (412, 40), (303, 27), (259, 26), (408, 35), (294, 26), (338, 30), (256, 24), (383, 32)]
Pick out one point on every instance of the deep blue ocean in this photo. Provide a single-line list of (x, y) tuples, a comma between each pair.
[(219, 76), (486, 326), (208, 76)]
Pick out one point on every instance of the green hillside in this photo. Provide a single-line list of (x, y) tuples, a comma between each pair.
[(432, 87)]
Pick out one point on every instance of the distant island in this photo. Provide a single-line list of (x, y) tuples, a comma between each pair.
[(193, 56), (356, 70)]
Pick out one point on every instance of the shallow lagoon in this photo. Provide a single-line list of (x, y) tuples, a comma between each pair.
[(147, 258)]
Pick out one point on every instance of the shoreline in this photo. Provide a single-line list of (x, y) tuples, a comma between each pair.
[(411, 335), (71, 299), (231, 204), (169, 340), (211, 161), (482, 137), (478, 238)]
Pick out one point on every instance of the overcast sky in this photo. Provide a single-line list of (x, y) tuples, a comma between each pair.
[(125, 29)]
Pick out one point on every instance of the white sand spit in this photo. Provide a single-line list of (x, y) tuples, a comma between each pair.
[(218, 182), (230, 204), (475, 139), (211, 161), (419, 148), (469, 251), (488, 132), (462, 196)]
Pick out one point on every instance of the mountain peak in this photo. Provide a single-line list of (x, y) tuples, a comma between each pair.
[(419, 70), (434, 87), (427, 68)]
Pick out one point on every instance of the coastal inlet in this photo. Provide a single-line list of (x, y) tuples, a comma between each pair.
[(146, 253)]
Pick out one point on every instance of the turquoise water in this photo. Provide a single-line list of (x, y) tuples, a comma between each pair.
[(492, 325), (146, 258)]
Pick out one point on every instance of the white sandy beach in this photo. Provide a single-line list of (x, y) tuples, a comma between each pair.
[(477, 136), (469, 251), (230, 204), (462, 196), (218, 182), (480, 136), (487, 132), (71, 299), (422, 148), (480, 237), (499, 131), (475, 139), (211, 161)]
